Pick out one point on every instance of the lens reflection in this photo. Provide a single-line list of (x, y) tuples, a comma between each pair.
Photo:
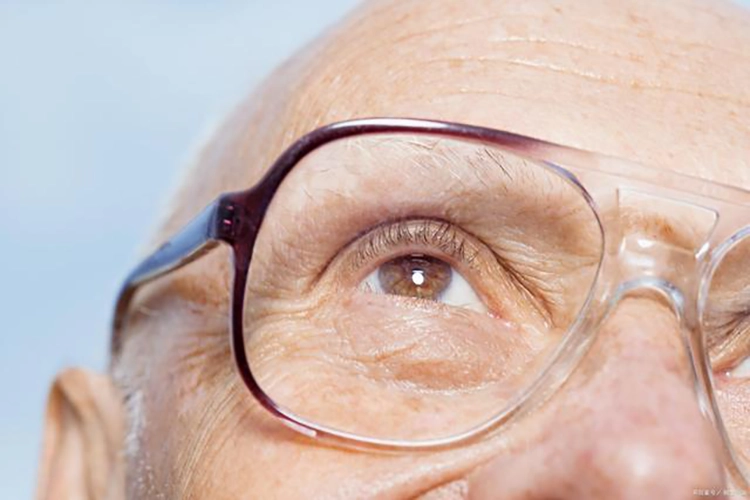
[(417, 285)]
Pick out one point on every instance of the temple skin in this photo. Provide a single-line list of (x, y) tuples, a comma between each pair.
[(663, 83)]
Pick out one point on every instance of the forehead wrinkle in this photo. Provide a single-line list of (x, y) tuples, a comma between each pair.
[(367, 67), (658, 60), (632, 65), (624, 80)]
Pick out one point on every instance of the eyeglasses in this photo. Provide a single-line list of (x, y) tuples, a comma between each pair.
[(423, 283)]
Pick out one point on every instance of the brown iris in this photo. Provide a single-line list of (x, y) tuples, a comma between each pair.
[(415, 275)]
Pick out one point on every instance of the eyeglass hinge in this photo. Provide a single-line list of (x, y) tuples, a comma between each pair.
[(230, 221)]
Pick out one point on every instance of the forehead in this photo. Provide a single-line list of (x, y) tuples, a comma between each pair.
[(657, 82)]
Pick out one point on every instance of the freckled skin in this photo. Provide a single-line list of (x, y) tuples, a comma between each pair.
[(664, 83)]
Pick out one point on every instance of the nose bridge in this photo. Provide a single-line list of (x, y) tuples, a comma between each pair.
[(628, 424), (646, 265), (659, 247)]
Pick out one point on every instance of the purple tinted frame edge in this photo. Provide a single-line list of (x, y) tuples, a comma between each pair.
[(235, 218)]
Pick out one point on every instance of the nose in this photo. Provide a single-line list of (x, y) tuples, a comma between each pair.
[(626, 425)]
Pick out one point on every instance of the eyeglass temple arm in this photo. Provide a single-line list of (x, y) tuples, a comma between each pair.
[(199, 236)]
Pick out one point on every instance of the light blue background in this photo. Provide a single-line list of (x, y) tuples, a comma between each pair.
[(100, 104)]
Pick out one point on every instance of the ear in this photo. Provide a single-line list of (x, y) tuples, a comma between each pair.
[(83, 437)]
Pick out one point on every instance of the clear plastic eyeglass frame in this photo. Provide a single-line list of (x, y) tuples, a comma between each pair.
[(235, 218)]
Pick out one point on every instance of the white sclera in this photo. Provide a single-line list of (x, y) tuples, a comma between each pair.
[(742, 370)]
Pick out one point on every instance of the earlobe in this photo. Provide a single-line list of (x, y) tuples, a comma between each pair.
[(83, 436)]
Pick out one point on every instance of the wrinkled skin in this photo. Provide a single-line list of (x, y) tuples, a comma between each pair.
[(663, 83)]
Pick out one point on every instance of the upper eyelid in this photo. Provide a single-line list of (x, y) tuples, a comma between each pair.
[(440, 234)]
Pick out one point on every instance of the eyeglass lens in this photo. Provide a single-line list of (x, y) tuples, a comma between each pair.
[(411, 287), (420, 280)]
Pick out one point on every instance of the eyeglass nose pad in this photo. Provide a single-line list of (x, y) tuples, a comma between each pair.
[(656, 267), (661, 244), (666, 289), (673, 274)]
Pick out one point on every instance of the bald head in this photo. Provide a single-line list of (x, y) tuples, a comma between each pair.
[(661, 83)]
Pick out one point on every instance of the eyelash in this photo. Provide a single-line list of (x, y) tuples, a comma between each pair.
[(442, 236)]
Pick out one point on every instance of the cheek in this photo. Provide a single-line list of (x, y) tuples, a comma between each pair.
[(733, 398), (213, 440)]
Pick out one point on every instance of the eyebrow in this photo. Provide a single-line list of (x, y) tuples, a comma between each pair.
[(346, 189), (442, 153), (434, 156), (434, 159)]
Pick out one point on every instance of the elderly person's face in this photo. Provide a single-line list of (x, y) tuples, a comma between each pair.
[(661, 83)]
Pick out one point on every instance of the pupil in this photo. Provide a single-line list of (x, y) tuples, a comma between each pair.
[(415, 275)]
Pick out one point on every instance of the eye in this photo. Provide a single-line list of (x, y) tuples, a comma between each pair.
[(728, 338), (423, 277)]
